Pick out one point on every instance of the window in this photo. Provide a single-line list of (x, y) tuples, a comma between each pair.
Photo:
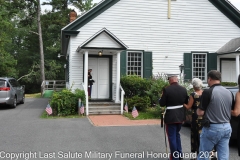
[(199, 66), (134, 63)]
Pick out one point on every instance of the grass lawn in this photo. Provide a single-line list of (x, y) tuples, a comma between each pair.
[(34, 95), (46, 116), (150, 113)]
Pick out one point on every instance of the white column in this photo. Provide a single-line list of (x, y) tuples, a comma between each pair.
[(86, 79), (118, 78), (237, 67)]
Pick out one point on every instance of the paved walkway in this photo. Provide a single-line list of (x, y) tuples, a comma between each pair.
[(119, 120)]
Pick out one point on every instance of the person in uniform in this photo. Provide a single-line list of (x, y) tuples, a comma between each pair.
[(90, 83), (173, 97)]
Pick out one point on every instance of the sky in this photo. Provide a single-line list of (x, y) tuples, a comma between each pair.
[(236, 3)]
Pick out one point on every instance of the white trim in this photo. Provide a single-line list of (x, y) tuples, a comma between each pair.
[(118, 79), (135, 51), (86, 78), (237, 67), (205, 70), (99, 33)]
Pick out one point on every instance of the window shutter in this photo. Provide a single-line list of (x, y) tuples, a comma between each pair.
[(187, 58), (147, 64), (211, 61), (123, 62)]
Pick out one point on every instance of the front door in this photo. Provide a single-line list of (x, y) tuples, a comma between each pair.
[(100, 74)]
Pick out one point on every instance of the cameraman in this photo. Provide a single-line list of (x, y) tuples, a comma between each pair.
[(216, 104)]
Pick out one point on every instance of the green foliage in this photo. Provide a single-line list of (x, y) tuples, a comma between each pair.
[(7, 61), (150, 113), (228, 84), (156, 88), (65, 102), (83, 5), (141, 103), (135, 85)]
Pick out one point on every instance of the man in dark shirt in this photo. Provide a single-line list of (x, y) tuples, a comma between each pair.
[(173, 97), (216, 105)]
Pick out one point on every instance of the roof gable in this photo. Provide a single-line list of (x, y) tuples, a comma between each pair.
[(222, 5), (103, 39), (91, 14), (228, 10)]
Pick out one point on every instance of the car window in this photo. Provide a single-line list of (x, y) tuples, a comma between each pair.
[(2, 83)]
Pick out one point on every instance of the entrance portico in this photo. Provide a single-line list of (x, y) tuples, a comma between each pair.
[(105, 67)]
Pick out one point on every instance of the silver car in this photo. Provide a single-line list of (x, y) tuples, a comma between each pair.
[(11, 92)]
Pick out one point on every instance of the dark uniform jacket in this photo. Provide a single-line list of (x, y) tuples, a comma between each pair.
[(90, 80), (174, 95)]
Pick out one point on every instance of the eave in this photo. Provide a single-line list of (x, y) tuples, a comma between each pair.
[(228, 10)]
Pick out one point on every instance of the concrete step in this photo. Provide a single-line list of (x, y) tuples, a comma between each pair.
[(104, 108), (94, 112)]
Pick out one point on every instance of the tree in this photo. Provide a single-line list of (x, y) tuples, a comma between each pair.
[(40, 41), (7, 61), (83, 5)]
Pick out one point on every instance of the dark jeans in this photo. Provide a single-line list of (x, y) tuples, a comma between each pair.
[(174, 140)]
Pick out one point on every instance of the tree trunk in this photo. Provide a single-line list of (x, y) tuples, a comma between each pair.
[(40, 43)]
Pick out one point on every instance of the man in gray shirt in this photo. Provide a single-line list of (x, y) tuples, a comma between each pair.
[(216, 105)]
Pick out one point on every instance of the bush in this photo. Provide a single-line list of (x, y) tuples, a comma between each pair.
[(65, 102), (135, 86), (228, 84), (141, 103), (155, 90)]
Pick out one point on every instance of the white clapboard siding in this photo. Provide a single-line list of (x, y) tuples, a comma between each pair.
[(143, 25)]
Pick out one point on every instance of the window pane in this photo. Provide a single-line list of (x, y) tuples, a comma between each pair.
[(199, 66), (134, 64)]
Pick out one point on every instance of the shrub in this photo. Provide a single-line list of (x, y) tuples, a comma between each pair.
[(141, 103), (155, 90), (228, 84), (134, 85), (65, 102)]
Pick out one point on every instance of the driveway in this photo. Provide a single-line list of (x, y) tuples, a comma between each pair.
[(24, 134)]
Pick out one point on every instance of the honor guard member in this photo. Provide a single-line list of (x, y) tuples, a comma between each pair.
[(173, 97)]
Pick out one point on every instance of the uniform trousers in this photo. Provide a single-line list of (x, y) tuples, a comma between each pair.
[(174, 140)]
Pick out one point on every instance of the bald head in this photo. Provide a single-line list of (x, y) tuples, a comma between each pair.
[(173, 79)]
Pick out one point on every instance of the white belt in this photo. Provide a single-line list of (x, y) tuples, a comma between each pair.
[(174, 107)]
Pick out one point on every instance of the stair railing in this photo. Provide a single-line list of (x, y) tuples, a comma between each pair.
[(86, 97)]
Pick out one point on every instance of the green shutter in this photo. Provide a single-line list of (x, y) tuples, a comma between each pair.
[(211, 61), (123, 64), (147, 64), (187, 58)]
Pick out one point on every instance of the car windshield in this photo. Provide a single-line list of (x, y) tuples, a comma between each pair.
[(2, 83)]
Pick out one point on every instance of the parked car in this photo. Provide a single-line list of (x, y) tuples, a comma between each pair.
[(11, 92), (234, 120)]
